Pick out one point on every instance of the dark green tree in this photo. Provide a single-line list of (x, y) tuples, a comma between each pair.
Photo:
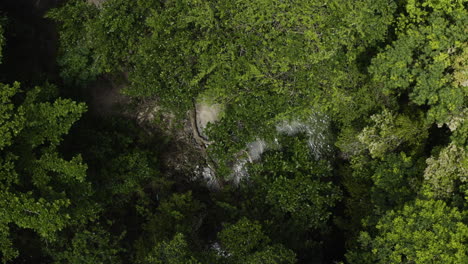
[(175, 251), (245, 242), (36, 183), (89, 246), (297, 189), (99, 40)]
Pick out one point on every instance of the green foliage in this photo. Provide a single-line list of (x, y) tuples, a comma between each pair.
[(369, 21), (123, 160), (460, 67), (245, 242), (418, 79), (378, 75), (395, 179), (294, 184), (95, 40), (375, 186), (90, 246), (422, 232), (389, 131), (272, 255), (290, 193), (177, 214), (271, 58), (459, 127), (50, 162), (12, 119), (6, 245), (74, 40), (446, 171), (39, 215), (180, 210), (131, 172), (29, 160), (243, 237), (173, 252), (231, 135), (48, 122), (419, 62)]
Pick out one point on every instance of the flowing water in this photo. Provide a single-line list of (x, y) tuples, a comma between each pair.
[(316, 128)]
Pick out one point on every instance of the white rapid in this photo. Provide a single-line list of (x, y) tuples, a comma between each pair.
[(316, 128)]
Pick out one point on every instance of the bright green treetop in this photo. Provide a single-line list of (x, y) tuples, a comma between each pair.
[(175, 251), (421, 61), (426, 231)]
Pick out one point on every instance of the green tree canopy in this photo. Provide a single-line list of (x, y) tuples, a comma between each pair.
[(425, 231), (383, 81), (245, 242), (420, 62), (296, 188), (175, 251), (36, 181)]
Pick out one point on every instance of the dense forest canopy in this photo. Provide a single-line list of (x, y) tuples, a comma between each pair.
[(234, 131)]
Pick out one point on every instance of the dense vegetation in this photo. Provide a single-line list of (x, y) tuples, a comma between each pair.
[(363, 107)]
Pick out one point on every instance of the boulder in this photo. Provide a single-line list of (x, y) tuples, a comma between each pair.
[(206, 113)]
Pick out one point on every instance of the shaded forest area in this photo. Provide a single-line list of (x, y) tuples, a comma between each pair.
[(194, 131)]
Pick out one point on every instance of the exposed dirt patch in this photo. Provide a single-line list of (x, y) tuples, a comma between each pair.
[(205, 114)]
